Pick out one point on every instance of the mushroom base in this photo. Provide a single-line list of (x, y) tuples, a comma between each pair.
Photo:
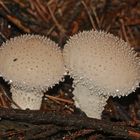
[(92, 104), (26, 100)]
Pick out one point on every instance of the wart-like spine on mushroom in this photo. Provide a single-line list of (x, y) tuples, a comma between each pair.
[(32, 64), (102, 65)]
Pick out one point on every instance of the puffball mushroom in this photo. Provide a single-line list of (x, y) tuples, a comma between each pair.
[(32, 64), (102, 65)]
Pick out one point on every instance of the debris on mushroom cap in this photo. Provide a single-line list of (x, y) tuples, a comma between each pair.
[(103, 62), (31, 61)]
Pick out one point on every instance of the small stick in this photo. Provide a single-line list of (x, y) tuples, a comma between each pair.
[(18, 23), (90, 17), (39, 10), (8, 98), (5, 8), (124, 30), (59, 99), (96, 16), (55, 21)]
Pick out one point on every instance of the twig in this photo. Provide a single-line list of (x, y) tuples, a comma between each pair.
[(40, 10), (123, 29), (50, 30), (131, 35), (55, 21), (101, 21), (136, 134), (110, 24), (96, 16), (59, 99), (3, 36), (4, 7), (90, 17), (20, 3), (18, 23), (7, 97)]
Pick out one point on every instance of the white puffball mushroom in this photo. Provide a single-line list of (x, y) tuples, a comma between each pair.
[(102, 65), (32, 64)]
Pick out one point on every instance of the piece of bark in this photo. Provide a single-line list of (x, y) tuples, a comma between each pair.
[(21, 130), (14, 129), (37, 117)]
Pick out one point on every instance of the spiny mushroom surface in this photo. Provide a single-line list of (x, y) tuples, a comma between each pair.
[(84, 99), (32, 63), (104, 64)]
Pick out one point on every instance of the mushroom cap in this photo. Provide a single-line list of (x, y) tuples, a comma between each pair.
[(31, 61), (102, 62)]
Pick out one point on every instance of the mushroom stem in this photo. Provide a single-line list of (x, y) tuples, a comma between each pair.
[(91, 103), (26, 100)]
